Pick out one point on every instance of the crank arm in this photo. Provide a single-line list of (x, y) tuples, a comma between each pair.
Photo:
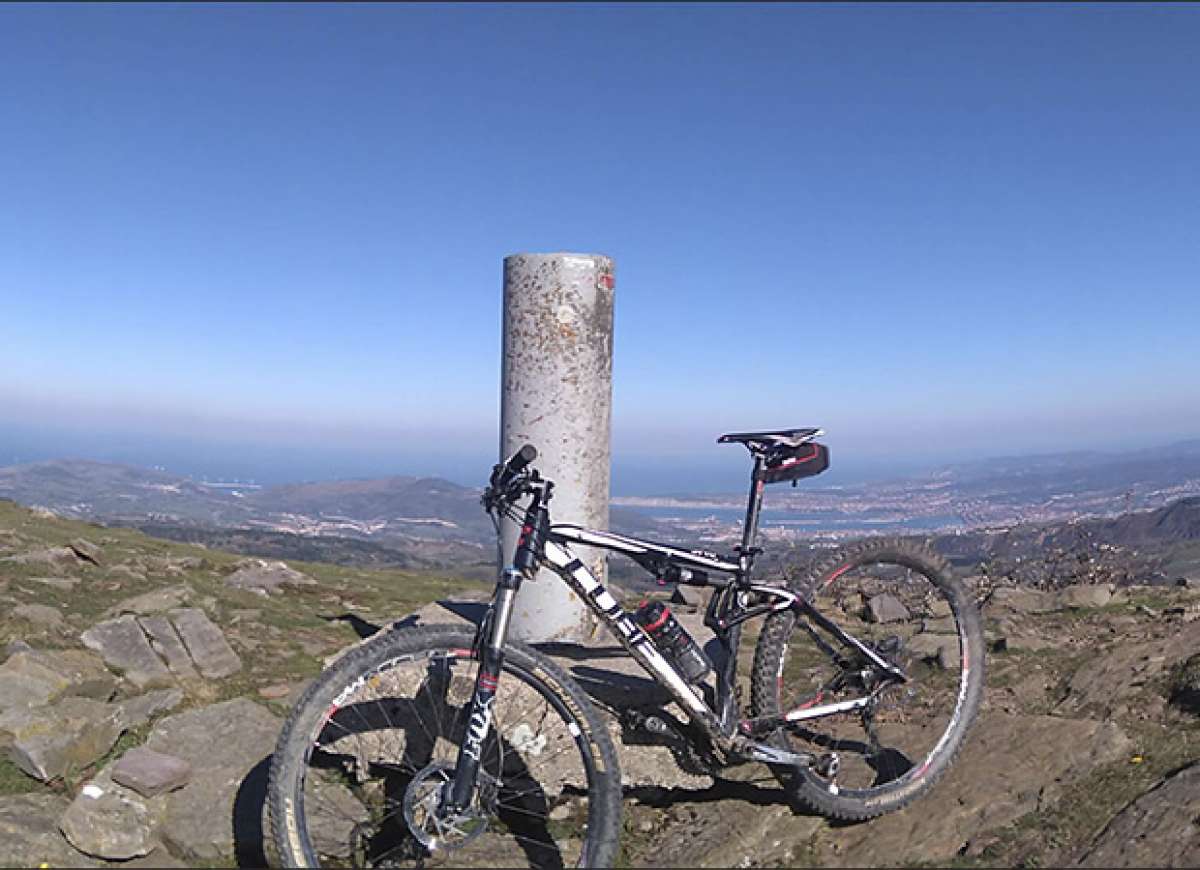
[(757, 751)]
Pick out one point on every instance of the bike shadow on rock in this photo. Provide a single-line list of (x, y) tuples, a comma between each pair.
[(365, 629), (249, 804), (765, 792), (470, 612), (617, 690)]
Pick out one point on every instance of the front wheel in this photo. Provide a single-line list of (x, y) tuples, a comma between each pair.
[(902, 602), (363, 760)]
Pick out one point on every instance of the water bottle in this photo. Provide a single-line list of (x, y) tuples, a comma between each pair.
[(672, 640)]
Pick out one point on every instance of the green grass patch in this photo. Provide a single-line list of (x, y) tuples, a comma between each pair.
[(13, 780)]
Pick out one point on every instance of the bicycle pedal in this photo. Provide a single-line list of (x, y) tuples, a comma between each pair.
[(828, 765), (657, 725), (635, 720)]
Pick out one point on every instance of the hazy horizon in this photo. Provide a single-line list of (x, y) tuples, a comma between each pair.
[(719, 469)]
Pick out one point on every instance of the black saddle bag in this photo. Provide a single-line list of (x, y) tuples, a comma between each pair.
[(794, 463)]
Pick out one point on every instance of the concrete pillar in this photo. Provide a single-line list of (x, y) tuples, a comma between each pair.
[(556, 394)]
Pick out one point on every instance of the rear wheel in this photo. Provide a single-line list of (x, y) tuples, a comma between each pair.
[(902, 602), (362, 761)]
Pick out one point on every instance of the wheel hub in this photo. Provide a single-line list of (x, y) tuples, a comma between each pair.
[(432, 826)]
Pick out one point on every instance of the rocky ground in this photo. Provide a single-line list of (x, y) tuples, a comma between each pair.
[(1084, 754), (143, 684)]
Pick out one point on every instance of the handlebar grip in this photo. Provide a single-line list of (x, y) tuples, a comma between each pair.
[(522, 457), (503, 475)]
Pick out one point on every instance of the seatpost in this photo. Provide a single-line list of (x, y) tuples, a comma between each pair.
[(753, 508)]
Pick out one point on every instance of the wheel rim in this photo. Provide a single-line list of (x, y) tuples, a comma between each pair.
[(362, 794)]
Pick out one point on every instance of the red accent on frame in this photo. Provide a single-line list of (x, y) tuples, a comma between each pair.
[(811, 702), (838, 573)]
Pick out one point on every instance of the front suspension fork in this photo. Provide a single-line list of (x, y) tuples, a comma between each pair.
[(479, 722)]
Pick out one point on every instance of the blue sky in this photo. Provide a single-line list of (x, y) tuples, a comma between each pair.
[(277, 231)]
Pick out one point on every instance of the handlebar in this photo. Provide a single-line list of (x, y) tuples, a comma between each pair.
[(505, 473), (508, 483)]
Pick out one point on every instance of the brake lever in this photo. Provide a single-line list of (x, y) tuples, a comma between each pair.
[(521, 486)]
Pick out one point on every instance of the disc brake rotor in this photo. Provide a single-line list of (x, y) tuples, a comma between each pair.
[(436, 830)]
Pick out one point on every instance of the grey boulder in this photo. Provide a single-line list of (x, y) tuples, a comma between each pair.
[(228, 746), (886, 608), (48, 742), (123, 645), (265, 577), (205, 643), (151, 773), (29, 834), (109, 821)]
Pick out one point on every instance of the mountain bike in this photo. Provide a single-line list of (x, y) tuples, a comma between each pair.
[(432, 746)]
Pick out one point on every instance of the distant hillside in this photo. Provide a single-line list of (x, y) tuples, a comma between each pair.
[(432, 505), (1160, 546), (81, 488), (423, 521), (393, 521), (1179, 521), (1078, 472)]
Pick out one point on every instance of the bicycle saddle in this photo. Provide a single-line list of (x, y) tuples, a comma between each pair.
[(777, 437)]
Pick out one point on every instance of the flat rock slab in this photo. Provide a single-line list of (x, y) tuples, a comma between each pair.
[(155, 601), (218, 813), (86, 550), (165, 641), (66, 584), (19, 691), (107, 820), (45, 556), (29, 834), (1017, 599), (205, 643), (123, 645), (1157, 830), (142, 708), (48, 742), (886, 608), (74, 672), (266, 577), (940, 648), (1025, 761), (1111, 678), (151, 773), (1081, 595), (39, 614)]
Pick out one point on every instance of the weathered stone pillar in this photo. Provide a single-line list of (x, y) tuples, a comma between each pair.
[(556, 394)]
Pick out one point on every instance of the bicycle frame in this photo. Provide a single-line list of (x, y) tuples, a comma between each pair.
[(725, 615), (542, 544)]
